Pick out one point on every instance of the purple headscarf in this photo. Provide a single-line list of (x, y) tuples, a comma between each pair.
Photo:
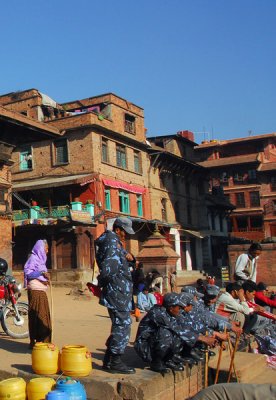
[(36, 262)]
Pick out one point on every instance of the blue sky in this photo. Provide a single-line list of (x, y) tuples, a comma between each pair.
[(205, 66)]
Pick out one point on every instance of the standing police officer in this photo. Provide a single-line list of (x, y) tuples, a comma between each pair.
[(116, 283)]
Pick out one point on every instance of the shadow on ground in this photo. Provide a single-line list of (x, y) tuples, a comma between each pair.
[(13, 346)]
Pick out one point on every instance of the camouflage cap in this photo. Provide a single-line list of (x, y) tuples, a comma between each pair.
[(187, 298), (125, 224), (192, 290), (173, 299), (212, 290)]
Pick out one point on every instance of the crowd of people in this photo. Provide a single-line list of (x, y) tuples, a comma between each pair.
[(176, 328)]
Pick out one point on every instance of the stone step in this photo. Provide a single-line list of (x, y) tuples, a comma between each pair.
[(247, 365), (188, 277), (268, 375), (189, 273)]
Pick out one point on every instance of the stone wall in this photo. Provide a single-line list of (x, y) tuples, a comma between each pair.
[(266, 263)]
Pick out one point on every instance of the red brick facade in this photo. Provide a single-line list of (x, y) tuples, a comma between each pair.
[(266, 262)]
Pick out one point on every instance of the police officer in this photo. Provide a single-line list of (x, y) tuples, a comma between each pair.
[(197, 321), (160, 337), (116, 283)]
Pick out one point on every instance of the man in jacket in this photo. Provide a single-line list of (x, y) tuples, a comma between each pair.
[(116, 283), (232, 304)]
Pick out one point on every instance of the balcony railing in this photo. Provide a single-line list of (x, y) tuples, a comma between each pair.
[(257, 234), (260, 229), (42, 213)]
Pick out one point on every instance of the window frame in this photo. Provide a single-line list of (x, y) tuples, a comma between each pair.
[(137, 157), (124, 202), (107, 199), (104, 144), (129, 124), (22, 159), (139, 202), (121, 149), (56, 162), (254, 202), (238, 203), (3, 195)]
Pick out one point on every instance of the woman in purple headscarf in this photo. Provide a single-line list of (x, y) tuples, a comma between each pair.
[(36, 280)]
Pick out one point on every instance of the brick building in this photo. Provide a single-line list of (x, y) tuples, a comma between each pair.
[(14, 129), (245, 168), (98, 166), (179, 196)]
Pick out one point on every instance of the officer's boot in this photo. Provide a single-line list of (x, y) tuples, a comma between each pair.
[(157, 365), (106, 360), (117, 366)]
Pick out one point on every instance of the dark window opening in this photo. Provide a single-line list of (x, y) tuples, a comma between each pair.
[(104, 150), (240, 202), (129, 123), (61, 152), (137, 162), (254, 199), (242, 224), (164, 209)]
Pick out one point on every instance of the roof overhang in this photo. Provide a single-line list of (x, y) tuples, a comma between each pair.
[(196, 234), (44, 183)]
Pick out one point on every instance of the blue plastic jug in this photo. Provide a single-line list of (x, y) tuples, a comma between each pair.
[(73, 388), (57, 395)]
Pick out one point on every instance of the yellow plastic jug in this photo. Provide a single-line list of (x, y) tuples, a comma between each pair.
[(37, 388), (45, 359), (13, 389), (76, 360)]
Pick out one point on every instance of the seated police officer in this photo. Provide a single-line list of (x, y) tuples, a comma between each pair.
[(160, 338)]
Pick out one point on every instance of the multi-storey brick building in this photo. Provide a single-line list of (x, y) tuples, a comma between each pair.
[(14, 129), (100, 163), (179, 195), (245, 168)]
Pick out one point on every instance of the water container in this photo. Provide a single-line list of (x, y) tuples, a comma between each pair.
[(13, 389), (45, 359), (76, 360), (57, 395), (74, 389), (37, 388)]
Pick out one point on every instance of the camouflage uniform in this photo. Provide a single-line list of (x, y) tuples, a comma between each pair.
[(161, 336), (116, 283)]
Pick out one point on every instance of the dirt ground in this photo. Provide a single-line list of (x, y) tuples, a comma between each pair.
[(77, 319)]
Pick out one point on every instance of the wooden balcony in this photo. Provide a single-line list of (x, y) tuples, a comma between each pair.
[(59, 212), (255, 234)]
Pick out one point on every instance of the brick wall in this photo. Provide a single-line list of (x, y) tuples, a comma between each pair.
[(5, 239), (266, 263)]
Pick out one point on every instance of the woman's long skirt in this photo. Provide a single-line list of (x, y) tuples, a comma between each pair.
[(39, 317)]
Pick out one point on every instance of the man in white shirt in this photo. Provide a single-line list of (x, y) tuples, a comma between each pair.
[(246, 264)]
